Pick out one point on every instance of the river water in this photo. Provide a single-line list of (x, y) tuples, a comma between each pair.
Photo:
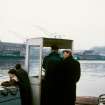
[(92, 81)]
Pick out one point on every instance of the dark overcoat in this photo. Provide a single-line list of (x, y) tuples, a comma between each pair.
[(71, 75), (24, 86), (51, 64)]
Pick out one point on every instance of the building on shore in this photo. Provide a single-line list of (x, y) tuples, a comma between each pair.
[(12, 49), (90, 55), (17, 50)]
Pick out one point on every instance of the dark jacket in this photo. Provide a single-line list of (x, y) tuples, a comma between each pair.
[(51, 64), (71, 75), (24, 86)]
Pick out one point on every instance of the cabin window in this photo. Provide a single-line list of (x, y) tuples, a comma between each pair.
[(34, 60)]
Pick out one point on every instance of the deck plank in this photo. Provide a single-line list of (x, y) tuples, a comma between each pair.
[(84, 100)]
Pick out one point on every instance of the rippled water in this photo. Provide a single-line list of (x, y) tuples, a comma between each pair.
[(92, 81)]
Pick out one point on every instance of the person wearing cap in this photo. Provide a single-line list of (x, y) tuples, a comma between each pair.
[(51, 64), (71, 75)]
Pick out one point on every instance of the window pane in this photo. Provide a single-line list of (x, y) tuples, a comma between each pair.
[(34, 60)]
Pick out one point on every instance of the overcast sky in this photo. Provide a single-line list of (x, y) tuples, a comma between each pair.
[(80, 20)]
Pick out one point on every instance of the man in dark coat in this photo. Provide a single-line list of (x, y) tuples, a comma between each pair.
[(51, 65), (24, 85), (71, 75)]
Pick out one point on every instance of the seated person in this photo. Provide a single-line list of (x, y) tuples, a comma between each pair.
[(20, 78), (13, 79)]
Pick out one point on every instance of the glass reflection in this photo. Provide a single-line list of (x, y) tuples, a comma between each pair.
[(34, 60)]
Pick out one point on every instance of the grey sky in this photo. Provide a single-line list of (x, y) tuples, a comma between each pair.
[(80, 20)]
